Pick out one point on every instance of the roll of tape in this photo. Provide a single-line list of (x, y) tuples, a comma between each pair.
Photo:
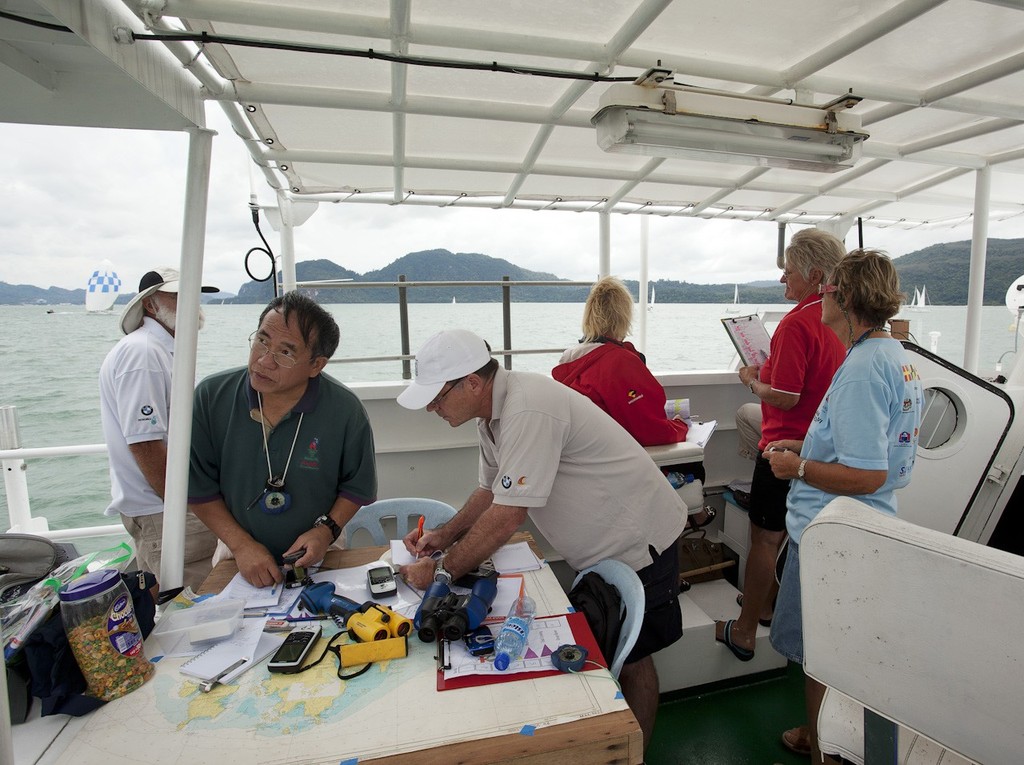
[(569, 658)]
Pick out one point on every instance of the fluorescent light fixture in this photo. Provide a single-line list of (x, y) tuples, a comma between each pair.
[(711, 126)]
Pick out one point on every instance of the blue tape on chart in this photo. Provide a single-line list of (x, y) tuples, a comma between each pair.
[(155, 659), (527, 730), (351, 761), (570, 610), (618, 695)]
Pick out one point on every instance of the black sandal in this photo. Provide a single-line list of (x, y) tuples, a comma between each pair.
[(709, 516)]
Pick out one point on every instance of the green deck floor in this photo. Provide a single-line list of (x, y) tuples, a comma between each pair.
[(734, 726)]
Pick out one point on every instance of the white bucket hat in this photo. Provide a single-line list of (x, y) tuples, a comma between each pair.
[(446, 356), (161, 280)]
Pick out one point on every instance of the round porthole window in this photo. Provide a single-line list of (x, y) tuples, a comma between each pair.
[(940, 418)]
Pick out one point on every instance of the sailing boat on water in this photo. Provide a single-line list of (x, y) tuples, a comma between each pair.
[(920, 301), (650, 306), (102, 288), (735, 300)]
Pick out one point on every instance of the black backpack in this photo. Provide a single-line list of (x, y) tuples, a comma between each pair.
[(24, 560), (601, 604)]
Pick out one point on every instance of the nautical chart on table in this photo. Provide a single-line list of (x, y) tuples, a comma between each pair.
[(314, 717)]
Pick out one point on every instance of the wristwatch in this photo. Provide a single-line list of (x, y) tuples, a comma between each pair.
[(328, 521), (441, 574), (800, 470), (751, 386)]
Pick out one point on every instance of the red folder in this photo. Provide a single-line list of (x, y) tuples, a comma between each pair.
[(581, 634)]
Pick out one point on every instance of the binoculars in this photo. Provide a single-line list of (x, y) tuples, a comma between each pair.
[(442, 613), (365, 623)]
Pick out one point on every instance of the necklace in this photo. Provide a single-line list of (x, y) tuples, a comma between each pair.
[(864, 337), (274, 499)]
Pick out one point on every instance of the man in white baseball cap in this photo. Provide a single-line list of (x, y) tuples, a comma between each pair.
[(135, 394), (444, 357), (550, 453)]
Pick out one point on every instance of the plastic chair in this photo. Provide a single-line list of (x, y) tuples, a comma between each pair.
[(631, 590), (406, 512)]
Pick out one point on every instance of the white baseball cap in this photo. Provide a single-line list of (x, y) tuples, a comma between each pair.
[(161, 280), (445, 356)]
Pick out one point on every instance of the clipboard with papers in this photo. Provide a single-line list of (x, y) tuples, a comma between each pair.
[(748, 334)]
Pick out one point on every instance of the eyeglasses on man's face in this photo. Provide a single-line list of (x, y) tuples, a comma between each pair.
[(285, 358), (825, 289), (444, 393)]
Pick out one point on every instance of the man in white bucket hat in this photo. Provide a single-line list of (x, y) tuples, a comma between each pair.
[(135, 394), (549, 452)]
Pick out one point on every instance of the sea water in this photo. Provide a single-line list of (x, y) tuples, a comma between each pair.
[(50, 364)]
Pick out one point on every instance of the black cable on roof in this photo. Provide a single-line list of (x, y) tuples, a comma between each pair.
[(204, 38)]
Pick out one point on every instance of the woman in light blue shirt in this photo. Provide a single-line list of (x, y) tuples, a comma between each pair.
[(861, 443)]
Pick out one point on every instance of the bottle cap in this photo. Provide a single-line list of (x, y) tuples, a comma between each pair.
[(90, 584), (501, 661)]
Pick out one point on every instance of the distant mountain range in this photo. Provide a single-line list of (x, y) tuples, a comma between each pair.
[(943, 268)]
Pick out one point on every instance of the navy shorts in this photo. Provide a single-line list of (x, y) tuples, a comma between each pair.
[(663, 621), (767, 497)]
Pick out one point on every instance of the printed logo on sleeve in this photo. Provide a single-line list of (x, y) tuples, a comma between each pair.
[(908, 404), (633, 396), (147, 414), (506, 482), (910, 373), (904, 438)]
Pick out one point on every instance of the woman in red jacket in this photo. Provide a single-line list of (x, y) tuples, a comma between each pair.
[(613, 374)]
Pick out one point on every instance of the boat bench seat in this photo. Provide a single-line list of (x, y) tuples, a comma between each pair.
[(681, 454), (920, 627), (675, 454)]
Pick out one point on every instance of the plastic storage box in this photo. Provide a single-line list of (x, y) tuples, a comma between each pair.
[(197, 627)]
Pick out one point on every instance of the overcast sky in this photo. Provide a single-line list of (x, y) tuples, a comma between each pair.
[(71, 197)]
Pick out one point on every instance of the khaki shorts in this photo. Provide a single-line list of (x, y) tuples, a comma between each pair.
[(147, 535)]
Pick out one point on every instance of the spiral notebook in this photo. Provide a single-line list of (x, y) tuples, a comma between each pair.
[(226, 660)]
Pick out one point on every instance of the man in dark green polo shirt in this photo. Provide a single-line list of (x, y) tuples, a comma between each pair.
[(282, 455)]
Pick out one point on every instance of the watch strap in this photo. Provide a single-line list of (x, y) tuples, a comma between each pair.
[(329, 522), (441, 574)]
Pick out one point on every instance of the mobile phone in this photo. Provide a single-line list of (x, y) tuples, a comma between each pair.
[(294, 649), (479, 642), (292, 557), (381, 581)]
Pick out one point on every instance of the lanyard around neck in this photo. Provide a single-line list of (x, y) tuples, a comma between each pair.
[(271, 480)]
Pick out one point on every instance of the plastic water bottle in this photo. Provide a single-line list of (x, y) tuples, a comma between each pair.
[(679, 480), (511, 640)]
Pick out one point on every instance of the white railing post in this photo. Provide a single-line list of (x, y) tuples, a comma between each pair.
[(15, 480)]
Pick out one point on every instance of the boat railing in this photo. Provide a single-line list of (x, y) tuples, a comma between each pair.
[(12, 460), (403, 286)]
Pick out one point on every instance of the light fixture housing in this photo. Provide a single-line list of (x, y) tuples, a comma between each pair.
[(716, 126)]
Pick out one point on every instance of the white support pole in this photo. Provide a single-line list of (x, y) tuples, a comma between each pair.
[(604, 266), (183, 372), (641, 334), (976, 282), (284, 204)]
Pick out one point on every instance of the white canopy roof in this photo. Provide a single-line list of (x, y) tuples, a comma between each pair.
[(942, 85)]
